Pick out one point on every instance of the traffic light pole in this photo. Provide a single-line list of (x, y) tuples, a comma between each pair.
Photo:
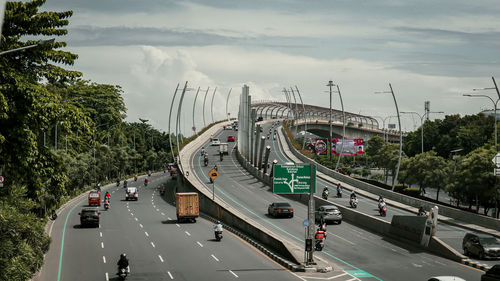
[(310, 215)]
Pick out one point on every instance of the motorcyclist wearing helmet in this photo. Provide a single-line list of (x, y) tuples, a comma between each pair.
[(203, 151), (107, 196), (353, 195), (218, 226), (123, 263)]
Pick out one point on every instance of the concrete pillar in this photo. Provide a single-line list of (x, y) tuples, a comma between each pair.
[(255, 147), (266, 158), (261, 153)]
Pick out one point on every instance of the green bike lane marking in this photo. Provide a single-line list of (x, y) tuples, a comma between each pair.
[(62, 240), (357, 270)]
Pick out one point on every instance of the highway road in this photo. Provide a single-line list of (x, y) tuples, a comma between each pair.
[(158, 247), (359, 253), (452, 235)]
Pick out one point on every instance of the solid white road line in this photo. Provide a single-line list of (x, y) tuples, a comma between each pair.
[(153, 244), (215, 258), (107, 277), (146, 233), (201, 245), (102, 245), (233, 274), (141, 225), (188, 234), (104, 259), (160, 258), (171, 277)]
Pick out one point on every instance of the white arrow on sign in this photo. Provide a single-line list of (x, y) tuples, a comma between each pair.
[(496, 160)]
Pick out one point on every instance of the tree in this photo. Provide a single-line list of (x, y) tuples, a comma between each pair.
[(473, 181), (427, 170)]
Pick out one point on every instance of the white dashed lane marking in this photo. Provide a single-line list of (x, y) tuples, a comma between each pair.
[(215, 258), (188, 234), (177, 225), (103, 259), (146, 233), (107, 277), (136, 219), (160, 258), (141, 225), (102, 245), (201, 245), (233, 274), (171, 277), (162, 214), (100, 234), (153, 244)]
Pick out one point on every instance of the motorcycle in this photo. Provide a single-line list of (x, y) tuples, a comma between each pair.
[(205, 162), (325, 194), (354, 202), (218, 235), (118, 183), (145, 183), (122, 273), (53, 215), (221, 157), (319, 244), (382, 209), (124, 184), (106, 205), (135, 178)]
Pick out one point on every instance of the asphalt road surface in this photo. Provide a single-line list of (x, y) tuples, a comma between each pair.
[(449, 234), (360, 254), (157, 246)]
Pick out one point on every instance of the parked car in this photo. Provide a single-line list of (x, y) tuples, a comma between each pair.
[(94, 198), (236, 128), (280, 209), (230, 139), (481, 245), (89, 216), (329, 213), (228, 127), (131, 193), (446, 278), (215, 141), (493, 274)]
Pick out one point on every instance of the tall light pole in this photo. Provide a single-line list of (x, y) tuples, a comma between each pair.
[(194, 106), (206, 93), (93, 135), (227, 101), (212, 105), (343, 129), (305, 117), (495, 103), (296, 112), (400, 134), (330, 84), (421, 123), (144, 121), (177, 124), (40, 43), (169, 121)]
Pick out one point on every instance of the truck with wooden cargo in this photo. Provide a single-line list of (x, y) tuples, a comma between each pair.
[(187, 205)]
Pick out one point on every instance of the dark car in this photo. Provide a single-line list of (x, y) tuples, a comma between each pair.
[(89, 216), (493, 274), (230, 139), (481, 245), (280, 209), (328, 213)]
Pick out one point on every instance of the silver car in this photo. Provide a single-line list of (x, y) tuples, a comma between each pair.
[(329, 213)]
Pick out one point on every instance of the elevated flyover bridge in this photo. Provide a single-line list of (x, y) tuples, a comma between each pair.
[(315, 119)]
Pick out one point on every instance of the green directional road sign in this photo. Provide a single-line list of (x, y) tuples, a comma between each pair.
[(293, 178)]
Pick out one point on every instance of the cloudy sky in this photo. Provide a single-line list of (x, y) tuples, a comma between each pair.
[(427, 50)]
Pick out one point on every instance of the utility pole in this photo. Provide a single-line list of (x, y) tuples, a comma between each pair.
[(330, 84)]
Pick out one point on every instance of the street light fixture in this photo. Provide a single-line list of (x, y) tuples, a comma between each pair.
[(421, 123), (39, 43), (495, 103), (400, 133)]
